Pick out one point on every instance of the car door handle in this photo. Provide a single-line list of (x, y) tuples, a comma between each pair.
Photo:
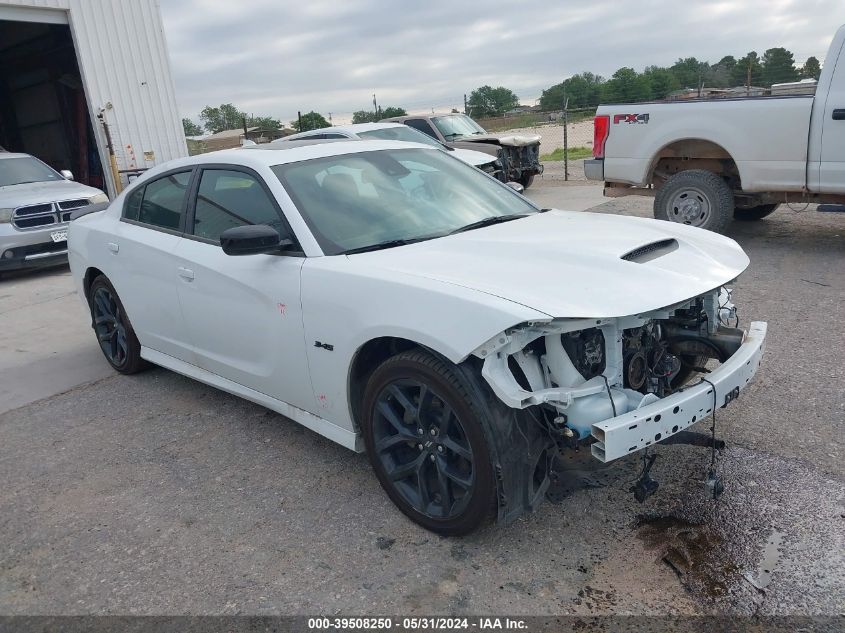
[(113, 247), (186, 273), (839, 114)]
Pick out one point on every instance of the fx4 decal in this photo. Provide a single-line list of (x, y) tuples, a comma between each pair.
[(630, 118)]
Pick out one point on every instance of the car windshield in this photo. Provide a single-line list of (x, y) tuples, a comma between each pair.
[(457, 125), (402, 133), (383, 198), (24, 169)]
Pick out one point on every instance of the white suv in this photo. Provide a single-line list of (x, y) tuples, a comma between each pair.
[(36, 203)]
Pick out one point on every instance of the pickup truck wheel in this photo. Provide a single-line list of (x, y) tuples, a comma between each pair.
[(697, 198), (114, 331), (755, 213), (427, 445)]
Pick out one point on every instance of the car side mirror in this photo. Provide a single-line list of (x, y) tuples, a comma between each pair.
[(66, 174), (253, 239), (516, 186)]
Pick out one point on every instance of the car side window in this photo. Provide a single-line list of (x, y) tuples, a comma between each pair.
[(227, 199), (132, 205), (333, 135), (422, 125), (163, 202)]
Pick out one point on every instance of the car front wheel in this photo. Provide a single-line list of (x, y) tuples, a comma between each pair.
[(114, 331), (427, 445)]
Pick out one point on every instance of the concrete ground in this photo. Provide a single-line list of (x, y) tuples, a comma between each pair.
[(153, 494)]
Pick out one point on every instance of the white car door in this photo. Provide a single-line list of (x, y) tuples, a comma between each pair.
[(243, 313), (145, 265), (832, 167)]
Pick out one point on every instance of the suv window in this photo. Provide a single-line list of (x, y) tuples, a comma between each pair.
[(227, 199), (160, 203), (422, 125)]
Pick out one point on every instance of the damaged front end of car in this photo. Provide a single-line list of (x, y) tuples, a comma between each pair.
[(624, 384)]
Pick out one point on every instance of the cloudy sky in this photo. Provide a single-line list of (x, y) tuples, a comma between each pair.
[(274, 57)]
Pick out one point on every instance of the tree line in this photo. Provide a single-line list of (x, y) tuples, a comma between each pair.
[(227, 116), (776, 65)]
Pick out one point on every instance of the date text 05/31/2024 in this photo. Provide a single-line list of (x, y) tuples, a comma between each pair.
[(415, 623)]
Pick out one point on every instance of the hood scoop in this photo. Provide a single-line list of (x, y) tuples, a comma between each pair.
[(648, 252)]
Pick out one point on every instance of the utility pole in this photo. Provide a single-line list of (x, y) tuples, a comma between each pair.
[(565, 134), (375, 104), (299, 117), (465, 105), (748, 80)]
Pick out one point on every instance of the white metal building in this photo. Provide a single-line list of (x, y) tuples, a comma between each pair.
[(67, 67)]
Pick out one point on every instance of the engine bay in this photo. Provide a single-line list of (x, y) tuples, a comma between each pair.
[(583, 371)]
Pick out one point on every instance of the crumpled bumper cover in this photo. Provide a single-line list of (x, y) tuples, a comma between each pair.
[(663, 418)]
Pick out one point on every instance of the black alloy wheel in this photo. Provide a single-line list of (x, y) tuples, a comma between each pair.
[(426, 444), (114, 331)]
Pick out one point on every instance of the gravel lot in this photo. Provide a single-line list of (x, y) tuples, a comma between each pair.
[(154, 494)]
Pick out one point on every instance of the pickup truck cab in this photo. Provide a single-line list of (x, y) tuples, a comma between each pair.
[(707, 162)]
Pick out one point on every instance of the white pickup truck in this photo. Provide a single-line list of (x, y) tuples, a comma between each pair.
[(709, 161)]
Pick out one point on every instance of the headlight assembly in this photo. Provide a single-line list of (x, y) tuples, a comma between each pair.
[(98, 199), (6, 215)]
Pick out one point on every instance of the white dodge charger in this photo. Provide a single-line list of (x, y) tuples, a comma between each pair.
[(396, 300)]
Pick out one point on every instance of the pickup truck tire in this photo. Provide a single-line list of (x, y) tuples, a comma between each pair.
[(755, 213), (697, 198)]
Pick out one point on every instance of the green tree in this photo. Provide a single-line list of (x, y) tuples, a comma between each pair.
[(745, 67), (626, 86), (661, 81), (368, 116), (489, 101), (582, 91), (778, 66), (191, 128), (310, 121), (223, 117), (811, 69), (721, 73), (263, 121), (690, 72)]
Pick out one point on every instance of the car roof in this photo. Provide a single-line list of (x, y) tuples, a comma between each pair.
[(14, 155), (353, 128), (283, 153)]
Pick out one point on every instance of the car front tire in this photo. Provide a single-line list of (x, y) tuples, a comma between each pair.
[(697, 198), (113, 329), (427, 445)]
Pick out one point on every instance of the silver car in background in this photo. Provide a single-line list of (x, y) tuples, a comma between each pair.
[(36, 204)]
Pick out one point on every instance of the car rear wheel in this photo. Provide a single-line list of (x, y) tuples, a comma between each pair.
[(427, 445), (114, 331), (696, 198), (526, 180), (752, 214)]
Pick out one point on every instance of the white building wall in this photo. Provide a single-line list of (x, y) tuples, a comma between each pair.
[(125, 68)]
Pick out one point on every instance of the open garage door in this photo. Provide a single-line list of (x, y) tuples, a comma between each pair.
[(43, 107)]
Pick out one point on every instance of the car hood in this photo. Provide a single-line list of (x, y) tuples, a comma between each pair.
[(502, 139), (569, 264), (471, 157), (42, 192)]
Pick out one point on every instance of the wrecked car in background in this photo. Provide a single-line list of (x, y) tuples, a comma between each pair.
[(519, 155)]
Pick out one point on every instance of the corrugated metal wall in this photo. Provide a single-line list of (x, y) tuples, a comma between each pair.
[(124, 62)]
